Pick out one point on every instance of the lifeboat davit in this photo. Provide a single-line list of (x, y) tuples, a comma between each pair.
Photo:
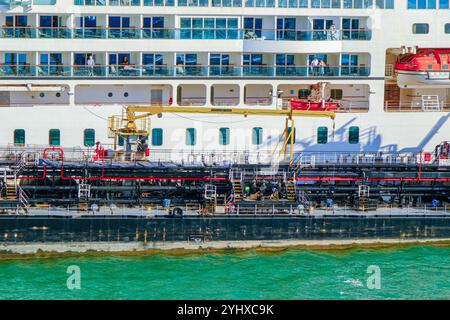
[(314, 105), (425, 68)]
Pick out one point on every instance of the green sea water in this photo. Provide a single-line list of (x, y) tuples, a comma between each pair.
[(418, 272)]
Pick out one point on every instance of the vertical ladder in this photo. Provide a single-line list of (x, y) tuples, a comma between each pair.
[(291, 190), (84, 193), (237, 189), (236, 182), (363, 197), (14, 191), (211, 198)]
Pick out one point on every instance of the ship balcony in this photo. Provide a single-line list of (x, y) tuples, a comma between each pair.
[(63, 32), (176, 71)]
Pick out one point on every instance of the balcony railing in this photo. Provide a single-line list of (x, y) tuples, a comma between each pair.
[(415, 106), (183, 33), (144, 71)]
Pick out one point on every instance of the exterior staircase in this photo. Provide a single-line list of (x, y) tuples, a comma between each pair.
[(363, 201), (84, 193), (291, 190), (237, 189), (236, 177), (14, 192), (210, 198)]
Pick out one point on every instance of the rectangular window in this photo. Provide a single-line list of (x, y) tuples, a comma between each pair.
[(444, 4), (159, 3), (421, 28), (421, 4), (54, 137), (304, 93), (353, 135), (325, 3), (224, 136), (385, 4), (336, 94), (322, 135), (257, 136), (289, 129), (157, 137), (447, 28), (19, 136), (252, 28), (121, 141), (191, 136), (89, 137)]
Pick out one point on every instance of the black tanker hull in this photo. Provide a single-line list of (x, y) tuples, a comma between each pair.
[(218, 228)]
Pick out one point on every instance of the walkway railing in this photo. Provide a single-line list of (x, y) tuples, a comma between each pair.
[(31, 32), (201, 71), (415, 106), (12, 153)]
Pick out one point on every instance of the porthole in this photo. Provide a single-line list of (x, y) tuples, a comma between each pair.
[(110, 94), (58, 94), (41, 94), (125, 94)]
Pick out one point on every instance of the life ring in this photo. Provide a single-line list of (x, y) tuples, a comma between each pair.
[(229, 208), (177, 212)]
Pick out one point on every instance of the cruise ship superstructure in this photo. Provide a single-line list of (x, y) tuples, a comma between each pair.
[(68, 65)]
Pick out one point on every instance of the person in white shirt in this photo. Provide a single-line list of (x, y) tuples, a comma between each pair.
[(91, 65), (314, 66), (333, 33)]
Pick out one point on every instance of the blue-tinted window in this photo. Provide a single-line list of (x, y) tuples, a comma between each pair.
[(19, 136), (257, 136), (44, 2), (385, 4), (444, 4), (353, 135), (54, 137), (421, 4), (322, 135), (191, 136), (157, 137), (421, 28), (121, 141), (89, 137), (89, 22), (224, 136)]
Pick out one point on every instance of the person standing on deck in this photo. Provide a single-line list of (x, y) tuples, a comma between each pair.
[(91, 65), (314, 65)]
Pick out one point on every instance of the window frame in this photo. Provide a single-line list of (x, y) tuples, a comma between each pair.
[(87, 139), (322, 135), (54, 131), (415, 25), (16, 137), (191, 136), (157, 137), (353, 132), (257, 136), (224, 136)]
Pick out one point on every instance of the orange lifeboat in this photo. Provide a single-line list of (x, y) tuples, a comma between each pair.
[(426, 67), (314, 105), (316, 100)]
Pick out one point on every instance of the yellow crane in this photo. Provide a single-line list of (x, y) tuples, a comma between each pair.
[(134, 120)]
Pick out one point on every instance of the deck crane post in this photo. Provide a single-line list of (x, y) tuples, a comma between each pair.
[(134, 121)]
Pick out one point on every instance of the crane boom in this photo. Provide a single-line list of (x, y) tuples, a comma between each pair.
[(125, 125), (149, 111)]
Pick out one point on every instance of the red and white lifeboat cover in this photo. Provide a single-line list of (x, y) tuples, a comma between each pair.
[(426, 67)]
